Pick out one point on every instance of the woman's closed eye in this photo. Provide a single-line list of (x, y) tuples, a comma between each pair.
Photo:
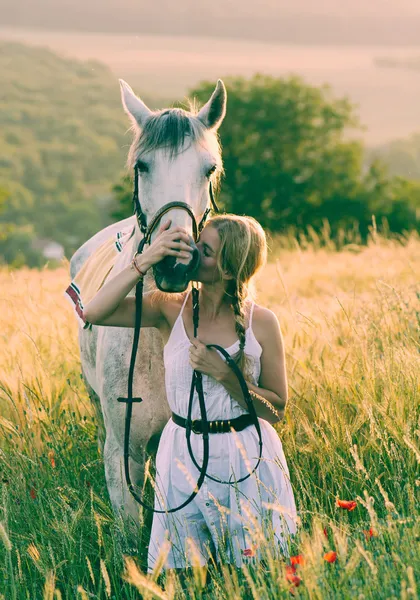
[(207, 250)]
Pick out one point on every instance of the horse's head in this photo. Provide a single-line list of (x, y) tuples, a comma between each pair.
[(177, 154)]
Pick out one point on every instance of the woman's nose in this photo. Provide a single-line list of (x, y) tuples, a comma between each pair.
[(192, 243)]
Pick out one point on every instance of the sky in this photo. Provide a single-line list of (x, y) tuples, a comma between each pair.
[(297, 21), (343, 7)]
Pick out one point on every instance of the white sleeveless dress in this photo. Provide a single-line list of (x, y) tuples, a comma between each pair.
[(217, 507)]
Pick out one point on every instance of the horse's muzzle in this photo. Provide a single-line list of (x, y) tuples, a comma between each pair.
[(172, 276)]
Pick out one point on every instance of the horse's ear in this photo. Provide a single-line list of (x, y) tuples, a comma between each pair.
[(214, 111), (133, 106)]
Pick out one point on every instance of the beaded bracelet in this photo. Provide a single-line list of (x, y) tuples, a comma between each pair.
[(134, 265)]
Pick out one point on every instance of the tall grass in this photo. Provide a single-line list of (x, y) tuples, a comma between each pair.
[(351, 324)]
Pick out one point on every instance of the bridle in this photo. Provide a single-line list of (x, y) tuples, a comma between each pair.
[(147, 230), (196, 383)]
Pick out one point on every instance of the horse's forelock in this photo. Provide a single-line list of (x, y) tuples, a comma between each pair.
[(168, 129)]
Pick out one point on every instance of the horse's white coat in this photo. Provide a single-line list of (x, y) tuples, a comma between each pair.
[(106, 351)]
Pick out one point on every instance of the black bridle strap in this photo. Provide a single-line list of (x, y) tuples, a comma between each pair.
[(212, 200), (198, 384), (128, 413), (147, 232), (251, 410), (141, 217), (165, 209)]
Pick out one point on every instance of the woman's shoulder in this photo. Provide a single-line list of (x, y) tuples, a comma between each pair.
[(264, 323), (170, 304), (263, 315)]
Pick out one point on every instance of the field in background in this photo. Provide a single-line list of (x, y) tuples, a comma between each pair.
[(351, 323), (166, 67)]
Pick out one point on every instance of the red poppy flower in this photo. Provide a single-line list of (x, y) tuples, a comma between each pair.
[(33, 493), (347, 504), (291, 575), (290, 570), (248, 552), (370, 533), (297, 560), (330, 556)]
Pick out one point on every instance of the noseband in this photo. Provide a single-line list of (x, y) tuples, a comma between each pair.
[(196, 384)]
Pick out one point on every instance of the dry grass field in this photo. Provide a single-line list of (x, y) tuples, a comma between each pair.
[(351, 324)]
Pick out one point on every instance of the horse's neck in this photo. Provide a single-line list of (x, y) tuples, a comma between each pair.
[(125, 258)]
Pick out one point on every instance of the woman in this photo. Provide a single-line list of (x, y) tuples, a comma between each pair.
[(222, 519)]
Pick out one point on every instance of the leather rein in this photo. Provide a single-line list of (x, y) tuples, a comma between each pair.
[(196, 383)]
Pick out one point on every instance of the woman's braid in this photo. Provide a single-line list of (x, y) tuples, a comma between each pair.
[(239, 315), (236, 294), (243, 251)]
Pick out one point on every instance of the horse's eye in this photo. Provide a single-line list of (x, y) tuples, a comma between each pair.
[(142, 167), (211, 170)]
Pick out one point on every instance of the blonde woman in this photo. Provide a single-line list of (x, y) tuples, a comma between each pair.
[(222, 520)]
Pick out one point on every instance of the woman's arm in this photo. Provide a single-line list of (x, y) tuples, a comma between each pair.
[(271, 398), (124, 313), (110, 305)]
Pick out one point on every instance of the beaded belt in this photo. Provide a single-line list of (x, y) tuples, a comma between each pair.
[(215, 426)]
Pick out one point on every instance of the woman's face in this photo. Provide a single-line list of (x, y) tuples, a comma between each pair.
[(208, 246)]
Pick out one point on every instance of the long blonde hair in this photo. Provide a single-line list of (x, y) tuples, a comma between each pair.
[(243, 252)]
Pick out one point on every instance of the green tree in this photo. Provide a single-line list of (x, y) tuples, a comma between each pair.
[(62, 144), (288, 160), (123, 198), (16, 240)]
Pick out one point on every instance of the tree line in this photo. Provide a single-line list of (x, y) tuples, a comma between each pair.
[(288, 159), (290, 164)]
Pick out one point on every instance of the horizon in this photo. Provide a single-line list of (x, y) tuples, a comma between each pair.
[(165, 67), (350, 22)]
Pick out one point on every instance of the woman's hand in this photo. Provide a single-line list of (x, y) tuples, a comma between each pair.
[(168, 242), (207, 361)]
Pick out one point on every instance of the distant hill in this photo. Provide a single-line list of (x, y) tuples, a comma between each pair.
[(402, 156), (301, 22), (411, 63), (62, 143)]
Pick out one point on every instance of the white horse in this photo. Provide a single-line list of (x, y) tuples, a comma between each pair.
[(177, 154)]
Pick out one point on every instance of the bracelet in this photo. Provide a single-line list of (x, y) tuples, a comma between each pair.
[(134, 265)]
